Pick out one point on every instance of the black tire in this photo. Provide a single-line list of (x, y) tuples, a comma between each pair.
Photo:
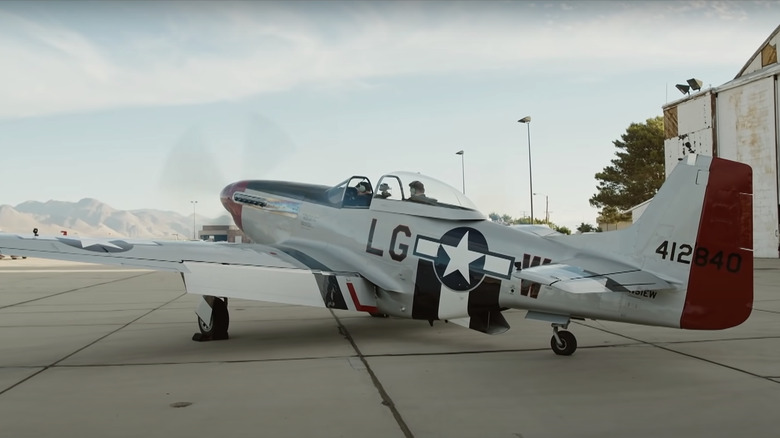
[(569, 344), (217, 328)]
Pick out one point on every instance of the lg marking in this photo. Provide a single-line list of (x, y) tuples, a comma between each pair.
[(461, 257), (398, 251)]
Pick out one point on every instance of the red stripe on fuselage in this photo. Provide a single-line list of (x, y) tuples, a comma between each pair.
[(358, 306), (720, 285)]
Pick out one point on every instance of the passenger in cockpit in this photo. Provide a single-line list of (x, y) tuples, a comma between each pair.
[(384, 191)]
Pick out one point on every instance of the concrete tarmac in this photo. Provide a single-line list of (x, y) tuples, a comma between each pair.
[(96, 351)]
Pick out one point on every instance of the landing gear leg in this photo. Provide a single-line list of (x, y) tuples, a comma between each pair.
[(213, 319), (563, 342)]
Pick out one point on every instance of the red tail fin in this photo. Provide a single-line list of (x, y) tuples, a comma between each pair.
[(720, 285)]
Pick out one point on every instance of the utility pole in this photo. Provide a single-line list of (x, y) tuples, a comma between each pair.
[(462, 169), (527, 121), (194, 228)]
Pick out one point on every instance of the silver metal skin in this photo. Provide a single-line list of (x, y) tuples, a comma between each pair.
[(413, 247)]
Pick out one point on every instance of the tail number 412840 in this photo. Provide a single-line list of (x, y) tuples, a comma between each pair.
[(684, 253)]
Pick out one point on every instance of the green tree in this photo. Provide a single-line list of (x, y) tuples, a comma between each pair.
[(588, 228), (636, 174), (611, 215)]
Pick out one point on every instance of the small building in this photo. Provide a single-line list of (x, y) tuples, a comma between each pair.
[(635, 212), (223, 233), (612, 226), (738, 121)]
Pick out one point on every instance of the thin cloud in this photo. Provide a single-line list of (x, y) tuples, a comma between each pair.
[(218, 52)]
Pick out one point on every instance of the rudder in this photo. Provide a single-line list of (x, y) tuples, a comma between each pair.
[(720, 284)]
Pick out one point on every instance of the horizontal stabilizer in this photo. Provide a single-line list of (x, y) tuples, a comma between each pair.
[(573, 279)]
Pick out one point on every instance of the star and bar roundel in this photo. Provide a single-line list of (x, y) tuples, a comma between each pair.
[(97, 245), (461, 258)]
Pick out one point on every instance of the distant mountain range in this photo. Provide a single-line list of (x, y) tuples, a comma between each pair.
[(90, 217)]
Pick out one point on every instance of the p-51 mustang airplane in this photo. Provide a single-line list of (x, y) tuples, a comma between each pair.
[(418, 248)]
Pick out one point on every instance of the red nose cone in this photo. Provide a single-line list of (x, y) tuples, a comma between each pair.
[(231, 206)]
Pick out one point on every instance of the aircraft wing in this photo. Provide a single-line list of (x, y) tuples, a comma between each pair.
[(247, 271), (608, 276)]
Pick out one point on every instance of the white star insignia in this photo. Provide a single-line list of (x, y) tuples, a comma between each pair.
[(460, 257), (87, 242)]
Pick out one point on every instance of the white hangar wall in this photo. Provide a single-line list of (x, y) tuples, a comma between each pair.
[(738, 121), (747, 129), (688, 129)]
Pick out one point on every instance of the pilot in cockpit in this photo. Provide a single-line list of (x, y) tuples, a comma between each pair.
[(363, 189), (359, 195)]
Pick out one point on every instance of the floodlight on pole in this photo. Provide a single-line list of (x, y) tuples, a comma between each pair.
[(684, 89), (695, 84), (194, 229), (462, 169), (527, 121)]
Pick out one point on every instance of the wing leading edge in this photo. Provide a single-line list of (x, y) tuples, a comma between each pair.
[(245, 271)]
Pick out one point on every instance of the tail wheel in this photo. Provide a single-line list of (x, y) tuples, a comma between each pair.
[(567, 345)]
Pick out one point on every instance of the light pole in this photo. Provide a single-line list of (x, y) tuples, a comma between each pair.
[(527, 121), (462, 169), (546, 207), (194, 230)]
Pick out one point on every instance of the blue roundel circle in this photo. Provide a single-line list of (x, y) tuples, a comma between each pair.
[(460, 261)]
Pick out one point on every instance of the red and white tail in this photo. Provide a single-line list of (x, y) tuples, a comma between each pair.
[(698, 229), (697, 234)]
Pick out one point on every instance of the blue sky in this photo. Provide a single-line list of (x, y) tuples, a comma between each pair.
[(155, 104)]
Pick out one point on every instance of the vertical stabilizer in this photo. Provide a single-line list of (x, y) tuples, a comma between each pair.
[(696, 233), (698, 230)]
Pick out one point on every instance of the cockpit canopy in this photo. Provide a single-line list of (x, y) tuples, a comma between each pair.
[(351, 193), (414, 187), (405, 192)]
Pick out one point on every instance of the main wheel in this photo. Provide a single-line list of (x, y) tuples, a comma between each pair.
[(217, 327), (569, 343)]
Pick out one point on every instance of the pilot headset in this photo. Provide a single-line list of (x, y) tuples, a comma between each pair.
[(413, 187)]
